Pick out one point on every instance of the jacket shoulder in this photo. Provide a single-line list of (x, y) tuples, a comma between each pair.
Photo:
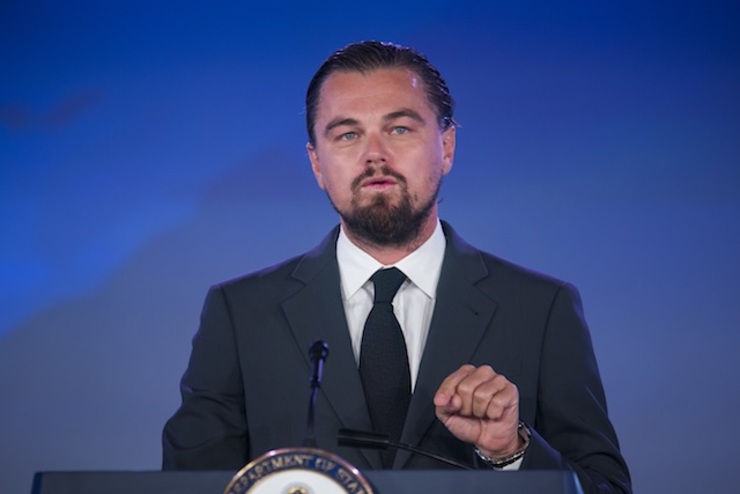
[(484, 267), (293, 272)]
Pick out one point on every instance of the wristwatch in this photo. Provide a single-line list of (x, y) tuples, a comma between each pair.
[(525, 434)]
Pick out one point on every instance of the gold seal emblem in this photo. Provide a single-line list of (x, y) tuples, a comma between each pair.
[(298, 471)]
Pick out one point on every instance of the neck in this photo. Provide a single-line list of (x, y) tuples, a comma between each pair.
[(388, 254)]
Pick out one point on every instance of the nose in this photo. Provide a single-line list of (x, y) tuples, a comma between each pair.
[(375, 150)]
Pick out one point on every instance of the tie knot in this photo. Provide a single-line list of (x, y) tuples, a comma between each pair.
[(387, 282)]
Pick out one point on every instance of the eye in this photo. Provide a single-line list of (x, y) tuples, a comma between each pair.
[(347, 136), (400, 130)]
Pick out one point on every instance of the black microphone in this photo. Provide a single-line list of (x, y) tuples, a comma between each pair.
[(317, 353), (374, 440)]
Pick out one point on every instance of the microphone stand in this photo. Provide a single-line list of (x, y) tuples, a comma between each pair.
[(317, 353), (374, 440)]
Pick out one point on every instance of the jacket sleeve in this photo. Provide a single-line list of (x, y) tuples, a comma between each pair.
[(209, 430), (571, 429)]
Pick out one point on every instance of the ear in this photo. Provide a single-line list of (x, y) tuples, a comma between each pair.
[(315, 165), (449, 137)]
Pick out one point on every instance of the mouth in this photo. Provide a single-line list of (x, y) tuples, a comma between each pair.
[(378, 180), (378, 183)]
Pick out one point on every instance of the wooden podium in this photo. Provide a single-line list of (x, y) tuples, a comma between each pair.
[(384, 482)]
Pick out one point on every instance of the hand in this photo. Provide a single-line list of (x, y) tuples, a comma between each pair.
[(480, 407)]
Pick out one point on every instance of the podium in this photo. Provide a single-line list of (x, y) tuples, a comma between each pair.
[(384, 482)]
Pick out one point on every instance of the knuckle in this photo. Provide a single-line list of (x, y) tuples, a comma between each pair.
[(466, 387), (486, 370), (481, 398), (466, 368)]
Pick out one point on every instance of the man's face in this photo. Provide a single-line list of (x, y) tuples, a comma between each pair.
[(379, 154)]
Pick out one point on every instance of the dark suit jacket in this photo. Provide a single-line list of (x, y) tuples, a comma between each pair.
[(246, 388)]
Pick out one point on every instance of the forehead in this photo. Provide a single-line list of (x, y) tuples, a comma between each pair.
[(375, 92)]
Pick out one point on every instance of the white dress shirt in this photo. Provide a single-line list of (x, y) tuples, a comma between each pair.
[(413, 304)]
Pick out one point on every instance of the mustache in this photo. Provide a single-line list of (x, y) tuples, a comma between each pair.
[(370, 172)]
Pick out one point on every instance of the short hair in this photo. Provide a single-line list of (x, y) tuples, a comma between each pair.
[(366, 56)]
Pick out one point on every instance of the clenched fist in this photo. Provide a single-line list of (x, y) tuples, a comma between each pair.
[(480, 407)]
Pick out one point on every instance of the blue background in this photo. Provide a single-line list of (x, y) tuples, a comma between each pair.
[(150, 149)]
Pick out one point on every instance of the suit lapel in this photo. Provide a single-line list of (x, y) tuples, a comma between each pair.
[(316, 312), (462, 313)]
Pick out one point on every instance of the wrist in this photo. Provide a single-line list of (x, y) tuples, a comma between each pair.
[(496, 461)]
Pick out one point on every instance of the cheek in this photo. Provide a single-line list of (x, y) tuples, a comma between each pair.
[(431, 166), (336, 181)]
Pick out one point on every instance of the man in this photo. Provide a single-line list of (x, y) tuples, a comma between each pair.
[(496, 364)]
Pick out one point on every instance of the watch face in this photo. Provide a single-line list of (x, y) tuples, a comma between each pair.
[(298, 471)]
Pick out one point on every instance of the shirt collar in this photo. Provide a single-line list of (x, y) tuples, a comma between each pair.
[(422, 266)]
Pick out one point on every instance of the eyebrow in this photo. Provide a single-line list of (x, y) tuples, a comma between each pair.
[(338, 122), (403, 112)]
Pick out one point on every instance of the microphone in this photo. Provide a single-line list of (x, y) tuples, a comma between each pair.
[(317, 353), (374, 440)]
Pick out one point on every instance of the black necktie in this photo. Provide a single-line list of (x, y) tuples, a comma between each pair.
[(384, 363)]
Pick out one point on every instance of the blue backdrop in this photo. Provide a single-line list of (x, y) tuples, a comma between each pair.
[(150, 149)]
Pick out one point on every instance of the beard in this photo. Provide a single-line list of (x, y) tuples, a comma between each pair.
[(387, 220)]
